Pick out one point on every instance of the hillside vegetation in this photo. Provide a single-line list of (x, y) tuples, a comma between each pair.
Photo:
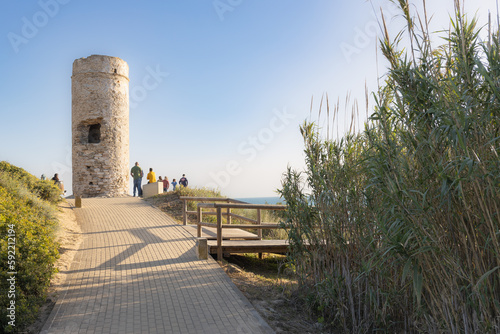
[(27, 245), (400, 231)]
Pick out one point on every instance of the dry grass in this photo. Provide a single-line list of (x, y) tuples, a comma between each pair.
[(271, 293)]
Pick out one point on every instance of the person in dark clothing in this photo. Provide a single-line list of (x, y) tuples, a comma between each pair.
[(183, 181), (58, 182)]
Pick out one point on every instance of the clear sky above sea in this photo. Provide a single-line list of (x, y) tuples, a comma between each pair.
[(218, 88)]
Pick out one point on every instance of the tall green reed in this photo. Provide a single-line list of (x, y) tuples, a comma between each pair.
[(400, 229)]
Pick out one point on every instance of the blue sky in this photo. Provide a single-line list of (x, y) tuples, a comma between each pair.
[(232, 79)]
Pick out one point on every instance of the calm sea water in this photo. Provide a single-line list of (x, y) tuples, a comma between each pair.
[(262, 200)]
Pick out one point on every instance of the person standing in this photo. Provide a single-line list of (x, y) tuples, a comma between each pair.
[(183, 181), (58, 182), (137, 173), (174, 184), (151, 176), (165, 184)]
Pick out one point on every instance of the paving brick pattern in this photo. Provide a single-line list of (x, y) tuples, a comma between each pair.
[(137, 272)]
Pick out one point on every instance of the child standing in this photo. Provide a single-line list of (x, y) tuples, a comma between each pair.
[(165, 184)]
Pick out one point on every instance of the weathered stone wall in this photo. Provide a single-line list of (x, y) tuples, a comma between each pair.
[(100, 126)]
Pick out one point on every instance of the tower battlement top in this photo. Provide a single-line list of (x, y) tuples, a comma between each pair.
[(100, 64)]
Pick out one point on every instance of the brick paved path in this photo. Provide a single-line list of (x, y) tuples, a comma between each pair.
[(137, 272)]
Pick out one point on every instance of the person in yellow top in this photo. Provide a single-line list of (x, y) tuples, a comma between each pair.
[(151, 176)]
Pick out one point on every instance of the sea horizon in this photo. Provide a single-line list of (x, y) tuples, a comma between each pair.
[(262, 200)]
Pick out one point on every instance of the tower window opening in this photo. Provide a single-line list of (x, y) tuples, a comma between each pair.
[(95, 133)]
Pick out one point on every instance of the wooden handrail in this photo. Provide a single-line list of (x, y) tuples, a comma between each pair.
[(200, 199), (260, 226), (211, 199), (250, 206), (207, 225), (264, 226), (186, 199)]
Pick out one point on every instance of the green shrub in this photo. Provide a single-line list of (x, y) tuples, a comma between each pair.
[(34, 223), (197, 192), (45, 189)]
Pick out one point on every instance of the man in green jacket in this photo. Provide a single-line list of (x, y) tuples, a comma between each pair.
[(137, 173)]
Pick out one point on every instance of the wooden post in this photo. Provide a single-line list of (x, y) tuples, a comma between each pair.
[(200, 218), (228, 212), (219, 234), (259, 222), (184, 212), (78, 202), (259, 231)]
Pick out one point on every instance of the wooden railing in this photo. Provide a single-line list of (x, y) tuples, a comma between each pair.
[(186, 199), (219, 207)]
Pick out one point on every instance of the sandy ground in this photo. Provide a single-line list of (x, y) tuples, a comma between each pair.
[(69, 237)]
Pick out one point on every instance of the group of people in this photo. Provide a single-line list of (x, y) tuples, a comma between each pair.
[(137, 173)]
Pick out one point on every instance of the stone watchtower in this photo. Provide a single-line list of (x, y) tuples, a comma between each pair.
[(100, 126)]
